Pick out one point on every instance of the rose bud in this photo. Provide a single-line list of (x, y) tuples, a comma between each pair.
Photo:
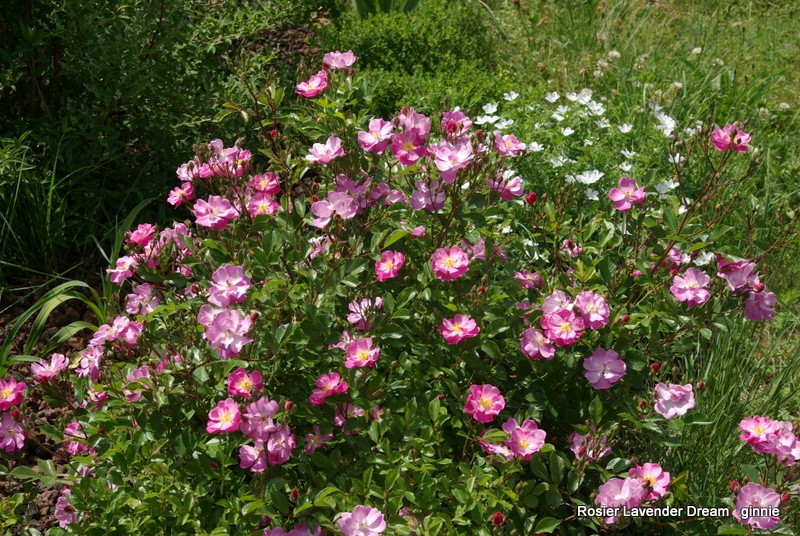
[(624, 319), (642, 404), (758, 287), (786, 497), (701, 385), (15, 414), (440, 397), (289, 406), (734, 486), (654, 368), (294, 495), (531, 198), (498, 519)]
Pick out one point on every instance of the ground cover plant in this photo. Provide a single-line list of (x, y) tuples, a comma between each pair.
[(424, 324)]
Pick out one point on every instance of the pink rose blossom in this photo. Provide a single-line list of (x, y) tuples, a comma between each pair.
[(262, 204), (240, 383), (555, 302), (143, 234), (89, 364), (410, 121), (327, 385), (759, 305), (730, 137), (253, 457), (45, 372), (12, 435), (216, 213), (535, 345), (617, 492), (134, 395), (337, 204), (761, 432), (590, 446), (376, 139), (230, 285), (362, 311), (526, 440), (740, 276), (266, 183), (449, 263), (529, 279), (227, 333), (124, 269), (339, 60), (507, 184), (315, 440), (11, 393), (458, 328), (754, 496), (324, 154), (603, 368), (449, 158), (181, 194), (484, 402), (626, 193), (280, 445), (428, 196), (258, 421), (571, 247), (313, 86), (508, 145), (654, 479), (346, 411), (593, 308), (362, 521), (141, 301), (389, 264), (408, 147), (360, 353), (72, 432), (65, 513), (691, 287), (224, 418), (455, 124), (673, 400), (563, 327)]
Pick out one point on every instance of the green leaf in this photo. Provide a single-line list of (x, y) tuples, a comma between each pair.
[(546, 525), (732, 529), (394, 237)]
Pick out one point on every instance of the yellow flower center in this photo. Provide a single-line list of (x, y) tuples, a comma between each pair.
[(6, 393), (485, 402)]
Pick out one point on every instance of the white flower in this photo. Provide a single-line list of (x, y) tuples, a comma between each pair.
[(551, 97), (626, 166), (625, 128), (628, 154), (527, 242), (592, 195), (704, 258), (696, 51), (613, 55), (506, 229), (583, 97), (602, 123), (563, 109), (490, 108), (510, 96), (596, 108), (677, 158), (566, 131), (666, 124), (589, 177), (486, 119), (535, 147), (557, 117), (588, 143), (505, 123), (558, 161), (537, 126), (665, 187)]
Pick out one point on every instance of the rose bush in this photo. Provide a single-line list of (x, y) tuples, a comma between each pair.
[(372, 325)]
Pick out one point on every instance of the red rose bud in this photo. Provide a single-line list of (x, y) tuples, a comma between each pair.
[(654, 368), (786, 497), (289, 406), (701, 386), (294, 495), (481, 290), (624, 319), (274, 133), (498, 519), (15, 414), (734, 486), (531, 198), (581, 450), (758, 287), (314, 198), (213, 466), (440, 397), (642, 404)]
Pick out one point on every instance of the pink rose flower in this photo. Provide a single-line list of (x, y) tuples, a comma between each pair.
[(508, 145), (590, 446), (258, 421), (535, 345), (216, 213), (315, 440), (376, 139), (362, 311), (360, 353), (389, 264), (362, 521), (529, 279), (313, 86), (593, 308), (617, 492), (654, 479), (327, 385), (339, 60), (526, 440), (262, 204), (626, 193), (64, 512), (484, 402), (449, 158), (427, 196), (449, 263), (124, 269), (563, 327), (730, 137), (759, 305), (266, 183), (229, 286), (673, 400), (458, 328), (143, 234), (324, 154), (227, 333), (455, 124), (240, 383), (691, 287), (506, 184), (12, 435), (755, 497), (45, 372), (408, 147), (603, 368), (224, 418), (11, 393)]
